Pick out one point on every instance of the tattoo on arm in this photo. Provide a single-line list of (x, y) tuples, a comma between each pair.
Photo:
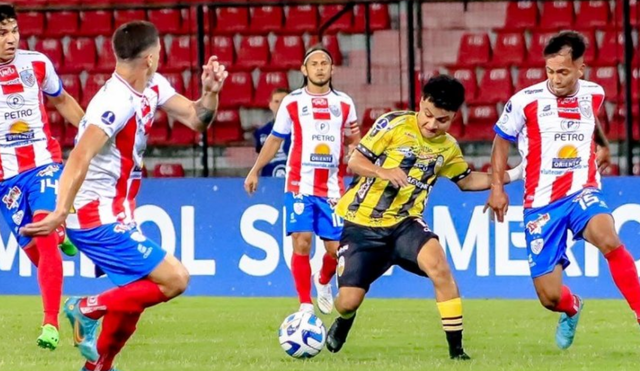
[(205, 115)]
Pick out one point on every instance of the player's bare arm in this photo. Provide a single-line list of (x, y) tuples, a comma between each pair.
[(603, 154), (479, 181), (199, 115), (267, 153), (361, 165), (71, 179), (68, 107), (498, 199)]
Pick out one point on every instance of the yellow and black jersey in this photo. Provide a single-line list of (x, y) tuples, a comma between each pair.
[(395, 140)]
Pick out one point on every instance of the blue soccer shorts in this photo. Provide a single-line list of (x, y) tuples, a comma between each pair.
[(546, 228), (26, 193), (121, 251), (312, 214)]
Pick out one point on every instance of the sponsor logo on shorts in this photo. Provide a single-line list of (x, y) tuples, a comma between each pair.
[(537, 245), (17, 217), (11, 199), (49, 170), (340, 267), (535, 226)]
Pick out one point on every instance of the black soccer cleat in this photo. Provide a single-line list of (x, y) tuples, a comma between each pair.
[(458, 355), (338, 332)]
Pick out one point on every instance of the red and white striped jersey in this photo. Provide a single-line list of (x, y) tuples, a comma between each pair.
[(555, 138), (25, 138), (317, 125), (113, 180)]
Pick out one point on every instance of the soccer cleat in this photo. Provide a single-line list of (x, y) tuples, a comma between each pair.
[(49, 338), (459, 356), (566, 330), (337, 335), (86, 369), (306, 307), (325, 296), (68, 248), (84, 329)]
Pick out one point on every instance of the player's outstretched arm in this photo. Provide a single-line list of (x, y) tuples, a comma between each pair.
[(479, 181), (71, 179), (603, 155), (68, 107), (267, 153), (199, 115), (498, 199), (362, 166)]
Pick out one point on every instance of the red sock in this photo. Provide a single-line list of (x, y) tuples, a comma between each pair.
[(625, 275), (568, 303), (117, 328), (131, 298), (301, 270), (49, 274), (328, 269)]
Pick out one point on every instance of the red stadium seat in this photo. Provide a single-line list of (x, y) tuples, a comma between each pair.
[(609, 79), (379, 18), (593, 14), (96, 22), (168, 171), (557, 15), (370, 116), (168, 21), (634, 14), (226, 129), (611, 48), (123, 16), (288, 52), (422, 78), (474, 50), (60, 24), (159, 132), (31, 24), (530, 76), (238, 90), (342, 24), (232, 20), (91, 87), (71, 84), (106, 56), (56, 125), (301, 18), (591, 54), (617, 127), (70, 132), (467, 77), (190, 24), (457, 127), (480, 123), (224, 49), (52, 48), (536, 49), (266, 19), (181, 49), (176, 80), (253, 52), (521, 15), (497, 86), (510, 49), (331, 43), (181, 135), (81, 55), (267, 82)]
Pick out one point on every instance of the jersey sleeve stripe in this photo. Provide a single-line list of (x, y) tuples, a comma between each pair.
[(464, 174), (279, 135), (57, 92), (504, 135)]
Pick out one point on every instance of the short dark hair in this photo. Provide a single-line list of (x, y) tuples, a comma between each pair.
[(133, 38), (279, 90), (7, 12), (445, 92), (566, 39)]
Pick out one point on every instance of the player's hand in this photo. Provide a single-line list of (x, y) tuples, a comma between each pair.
[(213, 75), (251, 183), (498, 202), (395, 176), (45, 226), (603, 158)]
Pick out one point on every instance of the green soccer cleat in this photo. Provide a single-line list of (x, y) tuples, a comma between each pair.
[(68, 248), (49, 338)]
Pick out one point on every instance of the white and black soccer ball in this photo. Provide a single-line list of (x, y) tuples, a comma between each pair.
[(302, 335)]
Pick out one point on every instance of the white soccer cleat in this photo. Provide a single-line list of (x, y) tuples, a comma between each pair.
[(306, 307), (325, 296)]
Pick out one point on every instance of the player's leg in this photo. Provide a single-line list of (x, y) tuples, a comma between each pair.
[(418, 250), (546, 236), (593, 218), (117, 328), (300, 227), (327, 225), (363, 257)]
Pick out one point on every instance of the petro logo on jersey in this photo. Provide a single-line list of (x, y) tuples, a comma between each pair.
[(567, 158), (19, 131)]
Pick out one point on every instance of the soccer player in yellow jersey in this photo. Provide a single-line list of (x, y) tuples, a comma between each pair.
[(397, 163)]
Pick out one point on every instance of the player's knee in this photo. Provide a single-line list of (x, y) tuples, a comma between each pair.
[(608, 243), (179, 281), (549, 300), (348, 303), (301, 244)]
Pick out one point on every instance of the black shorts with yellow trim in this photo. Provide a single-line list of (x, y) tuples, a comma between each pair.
[(366, 253)]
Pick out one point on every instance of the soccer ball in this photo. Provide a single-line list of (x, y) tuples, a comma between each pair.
[(302, 335)]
